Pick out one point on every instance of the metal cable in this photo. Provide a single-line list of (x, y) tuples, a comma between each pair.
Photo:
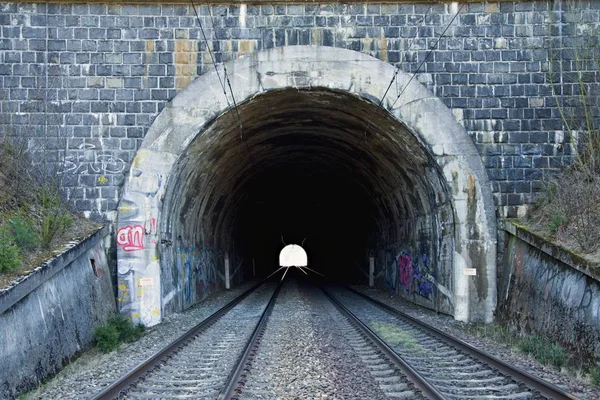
[(428, 54), (395, 74), (225, 77), (418, 68)]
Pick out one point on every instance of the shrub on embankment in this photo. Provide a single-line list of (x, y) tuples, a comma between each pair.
[(568, 210), (115, 331), (35, 216)]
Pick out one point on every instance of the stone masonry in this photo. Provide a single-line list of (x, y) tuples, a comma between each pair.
[(80, 84)]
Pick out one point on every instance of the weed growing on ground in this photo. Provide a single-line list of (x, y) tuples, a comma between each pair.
[(394, 335), (116, 330), (544, 351), (498, 333), (557, 221), (107, 337), (56, 218)]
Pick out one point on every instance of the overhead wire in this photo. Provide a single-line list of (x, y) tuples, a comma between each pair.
[(428, 54), (431, 49), (225, 79), (396, 73)]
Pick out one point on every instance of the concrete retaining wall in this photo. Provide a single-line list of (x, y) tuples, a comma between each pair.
[(550, 291), (49, 316)]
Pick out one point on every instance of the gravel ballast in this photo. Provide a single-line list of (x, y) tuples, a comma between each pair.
[(93, 370), (561, 378), (304, 354), (316, 361)]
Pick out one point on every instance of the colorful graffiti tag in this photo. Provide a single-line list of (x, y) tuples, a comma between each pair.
[(197, 273), (405, 272), (415, 276), (131, 238), (422, 276)]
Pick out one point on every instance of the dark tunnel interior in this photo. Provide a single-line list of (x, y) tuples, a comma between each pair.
[(306, 202), (327, 168)]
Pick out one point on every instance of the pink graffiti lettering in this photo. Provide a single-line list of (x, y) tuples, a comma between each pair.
[(405, 276), (131, 238)]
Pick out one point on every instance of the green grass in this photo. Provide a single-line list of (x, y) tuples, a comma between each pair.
[(595, 376), (394, 335), (547, 353)]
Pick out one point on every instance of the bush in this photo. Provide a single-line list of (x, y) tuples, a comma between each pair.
[(10, 258), (128, 332), (107, 338), (570, 206), (24, 235), (55, 216), (557, 222), (544, 351), (117, 329)]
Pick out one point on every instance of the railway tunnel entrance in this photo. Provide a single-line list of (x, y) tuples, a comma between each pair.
[(307, 155)]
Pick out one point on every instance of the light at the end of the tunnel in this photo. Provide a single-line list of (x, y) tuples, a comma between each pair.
[(293, 255)]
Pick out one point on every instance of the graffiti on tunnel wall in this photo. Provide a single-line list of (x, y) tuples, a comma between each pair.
[(139, 282), (131, 238), (197, 273), (413, 276)]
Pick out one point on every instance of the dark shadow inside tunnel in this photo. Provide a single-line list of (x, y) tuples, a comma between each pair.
[(318, 166), (305, 202)]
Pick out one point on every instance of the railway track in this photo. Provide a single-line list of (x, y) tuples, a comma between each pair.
[(454, 368), (264, 377), (198, 364), (336, 343)]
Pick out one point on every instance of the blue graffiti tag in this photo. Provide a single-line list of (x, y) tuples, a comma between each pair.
[(422, 273)]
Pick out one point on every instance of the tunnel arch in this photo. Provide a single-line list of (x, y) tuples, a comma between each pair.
[(414, 177)]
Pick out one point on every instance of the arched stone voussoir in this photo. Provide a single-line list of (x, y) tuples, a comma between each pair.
[(305, 67), (338, 69), (436, 125)]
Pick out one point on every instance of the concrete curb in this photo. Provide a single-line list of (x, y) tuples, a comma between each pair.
[(27, 284), (562, 254)]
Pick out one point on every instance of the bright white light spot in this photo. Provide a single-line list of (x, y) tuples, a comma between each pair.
[(454, 7), (293, 255), (243, 9)]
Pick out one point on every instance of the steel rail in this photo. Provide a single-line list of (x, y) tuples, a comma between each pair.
[(413, 375), (234, 378), (120, 386), (533, 382)]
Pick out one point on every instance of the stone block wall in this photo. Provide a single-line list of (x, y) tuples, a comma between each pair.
[(81, 83)]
